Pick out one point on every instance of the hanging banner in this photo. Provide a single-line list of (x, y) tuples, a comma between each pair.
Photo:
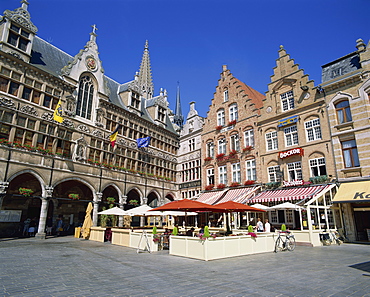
[(287, 121)]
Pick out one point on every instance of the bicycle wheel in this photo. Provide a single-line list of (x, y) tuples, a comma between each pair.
[(290, 243), (279, 245)]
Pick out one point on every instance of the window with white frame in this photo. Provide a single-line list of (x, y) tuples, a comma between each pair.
[(250, 169), (287, 101), (235, 168), (210, 176), (222, 174), (271, 141), (291, 135), (222, 146), (221, 117), (318, 167), (273, 173), (210, 149), (294, 171), (313, 129), (234, 142), (274, 217), (350, 153), (249, 138), (226, 95), (233, 112)]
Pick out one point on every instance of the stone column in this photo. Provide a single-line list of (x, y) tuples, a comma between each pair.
[(44, 213), (96, 202), (122, 202), (3, 188)]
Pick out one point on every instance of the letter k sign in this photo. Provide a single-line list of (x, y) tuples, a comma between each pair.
[(361, 195)]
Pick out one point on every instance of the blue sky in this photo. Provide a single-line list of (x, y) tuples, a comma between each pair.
[(190, 40)]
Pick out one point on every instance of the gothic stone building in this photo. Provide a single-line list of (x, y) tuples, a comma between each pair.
[(49, 168)]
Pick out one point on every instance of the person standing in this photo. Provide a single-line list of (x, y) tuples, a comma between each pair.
[(26, 226), (267, 226), (259, 225), (59, 225), (49, 225)]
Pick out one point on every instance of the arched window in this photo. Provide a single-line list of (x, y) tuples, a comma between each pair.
[(85, 97), (343, 112)]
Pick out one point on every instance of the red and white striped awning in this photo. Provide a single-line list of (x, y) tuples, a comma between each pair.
[(288, 194), (211, 197), (237, 195)]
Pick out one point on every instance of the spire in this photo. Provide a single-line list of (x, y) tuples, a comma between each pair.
[(145, 74), (178, 119)]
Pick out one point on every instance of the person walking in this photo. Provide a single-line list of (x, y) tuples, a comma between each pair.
[(59, 225)]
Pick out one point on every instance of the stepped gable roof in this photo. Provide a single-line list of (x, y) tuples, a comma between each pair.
[(255, 96)]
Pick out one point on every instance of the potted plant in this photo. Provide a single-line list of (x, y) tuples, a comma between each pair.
[(209, 187), (249, 182), (233, 153), (133, 202), (74, 196), (220, 156), (218, 128), (247, 148), (234, 184), (25, 192), (221, 186), (208, 159), (233, 122)]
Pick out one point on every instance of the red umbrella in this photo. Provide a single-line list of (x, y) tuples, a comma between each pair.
[(231, 206), (186, 205)]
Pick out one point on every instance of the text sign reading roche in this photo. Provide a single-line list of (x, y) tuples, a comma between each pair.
[(292, 152)]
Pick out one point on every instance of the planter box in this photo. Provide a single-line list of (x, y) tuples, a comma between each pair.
[(97, 234), (221, 247)]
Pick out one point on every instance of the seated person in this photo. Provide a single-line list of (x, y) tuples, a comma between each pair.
[(190, 232)]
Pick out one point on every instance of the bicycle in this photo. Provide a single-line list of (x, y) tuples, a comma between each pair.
[(282, 244), (331, 237)]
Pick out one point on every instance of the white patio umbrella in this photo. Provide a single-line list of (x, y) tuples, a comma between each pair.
[(261, 206), (114, 211), (288, 205)]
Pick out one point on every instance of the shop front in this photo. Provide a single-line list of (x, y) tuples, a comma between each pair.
[(353, 200)]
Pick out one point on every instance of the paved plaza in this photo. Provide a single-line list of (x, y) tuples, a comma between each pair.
[(67, 266)]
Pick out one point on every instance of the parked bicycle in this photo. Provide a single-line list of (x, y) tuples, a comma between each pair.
[(331, 237), (285, 241)]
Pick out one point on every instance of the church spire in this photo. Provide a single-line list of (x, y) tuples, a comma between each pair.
[(178, 119), (145, 74)]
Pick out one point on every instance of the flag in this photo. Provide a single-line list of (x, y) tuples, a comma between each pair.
[(143, 142), (58, 112), (113, 136)]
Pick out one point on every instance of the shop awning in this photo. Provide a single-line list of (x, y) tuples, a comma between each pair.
[(211, 197), (353, 192), (238, 195), (288, 194)]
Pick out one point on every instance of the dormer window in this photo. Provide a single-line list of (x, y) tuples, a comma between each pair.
[(135, 100), (18, 37), (161, 113), (287, 101)]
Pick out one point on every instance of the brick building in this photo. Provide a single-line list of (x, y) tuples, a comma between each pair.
[(346, 88), (230, 155), (295, 147)]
